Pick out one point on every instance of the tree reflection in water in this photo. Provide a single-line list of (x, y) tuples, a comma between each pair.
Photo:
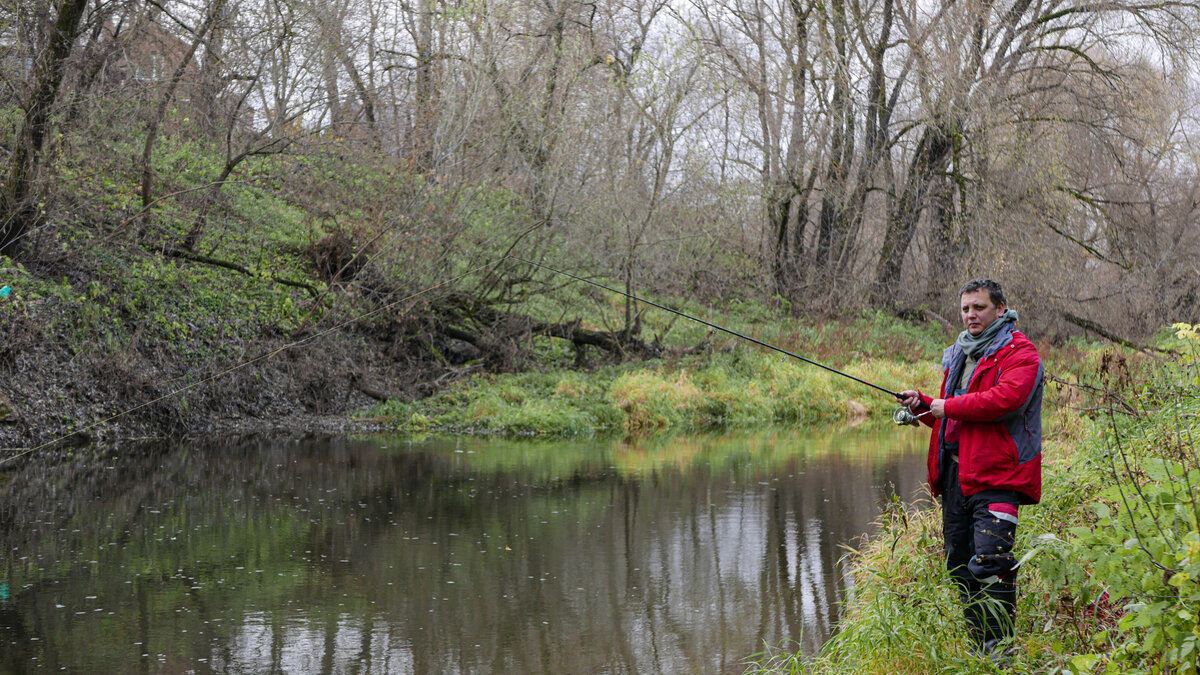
[(392, 555)]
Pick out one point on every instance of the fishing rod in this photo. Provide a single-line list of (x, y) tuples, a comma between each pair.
[(897, 418)]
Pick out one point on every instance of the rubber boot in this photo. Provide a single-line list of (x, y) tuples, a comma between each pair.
[(996, 612), (971, 595)]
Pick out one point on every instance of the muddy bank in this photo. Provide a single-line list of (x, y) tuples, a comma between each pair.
[(59, 392)]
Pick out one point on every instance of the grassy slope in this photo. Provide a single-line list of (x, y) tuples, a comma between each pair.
[(105, 333)]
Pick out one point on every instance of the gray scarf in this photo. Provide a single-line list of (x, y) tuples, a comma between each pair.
[(976, 345)]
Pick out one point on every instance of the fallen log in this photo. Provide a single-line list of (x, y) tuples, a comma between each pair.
[(616, 342), (240, 269), (1096, 328), (494, 327)]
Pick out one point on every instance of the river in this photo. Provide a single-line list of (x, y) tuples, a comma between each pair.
[(385, 554)]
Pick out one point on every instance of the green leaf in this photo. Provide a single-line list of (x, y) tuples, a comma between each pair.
[(1187, 648), (1084, 663)]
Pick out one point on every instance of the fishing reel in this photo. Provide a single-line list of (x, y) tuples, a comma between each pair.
[(904, 417)]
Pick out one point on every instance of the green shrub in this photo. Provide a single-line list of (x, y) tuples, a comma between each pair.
[(1133, 565)]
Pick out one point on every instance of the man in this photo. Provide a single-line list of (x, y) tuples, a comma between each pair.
[(985, 456)]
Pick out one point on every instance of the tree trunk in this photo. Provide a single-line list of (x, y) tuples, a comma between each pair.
[(834, 219), (330, 75), (950, 246), (933, 151), (787, 196), (423, 123), (211, 84), (108, 37), (877, 119), (200, 224), (23, 165), (360, 87), (779, 212)]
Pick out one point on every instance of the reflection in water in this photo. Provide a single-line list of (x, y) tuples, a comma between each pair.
[(390, 555)]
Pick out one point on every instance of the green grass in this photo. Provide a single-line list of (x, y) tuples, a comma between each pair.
[(744, 387)]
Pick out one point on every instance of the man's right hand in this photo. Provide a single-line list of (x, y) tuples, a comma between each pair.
[(910, 398)]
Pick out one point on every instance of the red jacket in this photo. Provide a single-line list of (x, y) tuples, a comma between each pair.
[(1000, 416)]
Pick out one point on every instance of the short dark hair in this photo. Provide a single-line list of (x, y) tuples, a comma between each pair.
[(995, 293)]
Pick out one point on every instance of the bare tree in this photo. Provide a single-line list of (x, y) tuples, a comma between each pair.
[(1003, 57), (181, 68), (652, 90), (279, 78)]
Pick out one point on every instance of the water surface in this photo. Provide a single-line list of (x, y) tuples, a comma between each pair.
[(679, 554)]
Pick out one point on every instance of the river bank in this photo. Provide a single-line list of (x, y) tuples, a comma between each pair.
[(738, 388), (65, 387), (124, 346)]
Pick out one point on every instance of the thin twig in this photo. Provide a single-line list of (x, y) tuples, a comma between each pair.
[(1125, 500)]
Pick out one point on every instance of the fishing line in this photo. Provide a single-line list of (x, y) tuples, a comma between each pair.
[(239, 366), (710, 325)]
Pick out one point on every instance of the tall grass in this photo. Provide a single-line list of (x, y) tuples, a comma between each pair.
[(745, 387)]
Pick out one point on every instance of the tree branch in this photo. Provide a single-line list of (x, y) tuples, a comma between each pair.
[(1096, 328), (216, 262)]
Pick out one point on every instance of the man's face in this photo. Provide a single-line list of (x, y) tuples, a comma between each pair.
[(978, 311)]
